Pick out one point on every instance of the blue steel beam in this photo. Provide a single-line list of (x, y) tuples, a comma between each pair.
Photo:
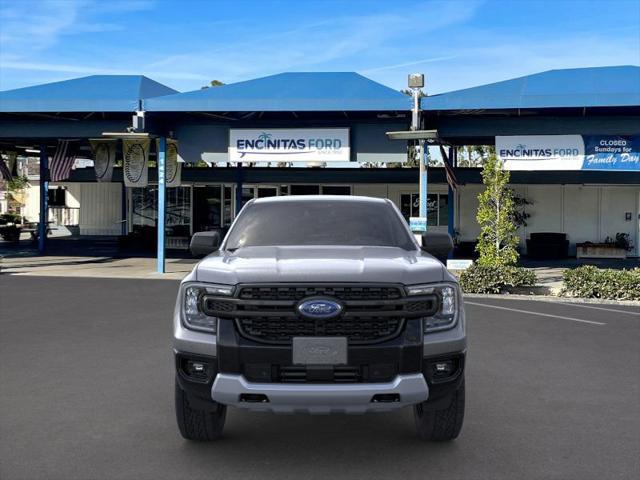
[(162, 190)]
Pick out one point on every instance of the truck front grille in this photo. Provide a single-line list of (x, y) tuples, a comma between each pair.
[(340, 292), (371, 313), (357, 330)]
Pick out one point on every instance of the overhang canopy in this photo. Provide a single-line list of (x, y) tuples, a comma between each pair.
[(288, 92), (95, 93), (617, 86)]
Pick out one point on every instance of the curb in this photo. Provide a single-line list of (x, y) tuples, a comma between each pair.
[(553, 299)]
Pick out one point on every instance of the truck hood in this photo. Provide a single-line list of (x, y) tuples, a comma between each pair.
[(320, 264)]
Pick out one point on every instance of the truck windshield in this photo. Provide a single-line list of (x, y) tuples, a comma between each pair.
[(319, 222)]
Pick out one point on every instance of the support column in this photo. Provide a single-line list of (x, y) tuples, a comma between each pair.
[(451, 197), (162, 149), (123, 211), (44, 199), (239, 181)]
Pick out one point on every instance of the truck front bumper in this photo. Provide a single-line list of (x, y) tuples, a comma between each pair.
[(354, 398)]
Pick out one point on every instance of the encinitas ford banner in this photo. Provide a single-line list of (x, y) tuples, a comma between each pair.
[(289, 145), (569, 152)]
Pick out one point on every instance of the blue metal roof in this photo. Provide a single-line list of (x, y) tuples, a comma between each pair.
[(577, 87), (298, 92), (96, 93)]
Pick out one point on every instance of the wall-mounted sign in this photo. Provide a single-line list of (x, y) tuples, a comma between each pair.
[(135, 153), (104, 157), (569, 152), (541, 152), (610, 152), (289, 145), (418, 224)]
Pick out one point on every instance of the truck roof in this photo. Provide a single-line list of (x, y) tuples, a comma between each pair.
[(323, 198)]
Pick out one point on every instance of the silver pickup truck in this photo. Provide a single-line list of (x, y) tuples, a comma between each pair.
[(320, 304)]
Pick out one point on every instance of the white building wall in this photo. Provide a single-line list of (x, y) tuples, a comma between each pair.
[(615, 203), (583, 212), (370, 190), (73, 195), (32, 202), (100, 208), (546, 210), (581, 215)]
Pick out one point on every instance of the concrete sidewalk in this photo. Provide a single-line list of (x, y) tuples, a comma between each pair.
[(95, 267)]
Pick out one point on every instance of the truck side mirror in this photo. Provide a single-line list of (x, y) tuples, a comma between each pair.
[(437, 244), (204, 243)]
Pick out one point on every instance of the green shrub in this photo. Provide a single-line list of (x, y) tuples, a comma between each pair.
[(592, 282), (493, 279)]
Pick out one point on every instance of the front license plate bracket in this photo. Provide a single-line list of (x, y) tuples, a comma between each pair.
[(320, 350)]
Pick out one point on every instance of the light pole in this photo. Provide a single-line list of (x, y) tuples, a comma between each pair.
[(416, 83)]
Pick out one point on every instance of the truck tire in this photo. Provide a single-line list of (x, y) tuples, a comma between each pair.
[(440, 425), (196, 419)]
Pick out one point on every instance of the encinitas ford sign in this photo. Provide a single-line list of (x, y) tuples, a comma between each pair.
[(541, 152), (289, 145)]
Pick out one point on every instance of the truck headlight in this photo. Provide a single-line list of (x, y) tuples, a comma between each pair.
[(192, 315), (447, 314)]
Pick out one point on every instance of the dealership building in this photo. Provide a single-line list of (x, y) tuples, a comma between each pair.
[(570, 137)]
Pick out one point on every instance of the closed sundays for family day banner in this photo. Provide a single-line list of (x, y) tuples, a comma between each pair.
[(289, 145), (569, 152)]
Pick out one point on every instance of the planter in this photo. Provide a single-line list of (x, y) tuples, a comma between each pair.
[(599, 250)]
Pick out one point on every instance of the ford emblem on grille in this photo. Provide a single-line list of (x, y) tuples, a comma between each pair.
[(319, 308)]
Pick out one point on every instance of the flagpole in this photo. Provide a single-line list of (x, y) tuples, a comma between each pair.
[(44, 199)]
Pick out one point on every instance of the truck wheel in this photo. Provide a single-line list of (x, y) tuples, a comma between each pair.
[(196, 419), (440, 425)]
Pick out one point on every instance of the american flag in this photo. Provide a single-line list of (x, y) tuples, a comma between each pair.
[(4, 170), (62, 160), (448, 169)]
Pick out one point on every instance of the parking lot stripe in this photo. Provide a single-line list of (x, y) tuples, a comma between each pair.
[(597, 308), (535, 313)]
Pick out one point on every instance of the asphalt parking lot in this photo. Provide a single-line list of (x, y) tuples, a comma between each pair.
[(86, 392)]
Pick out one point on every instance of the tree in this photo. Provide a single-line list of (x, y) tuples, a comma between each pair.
[(474, 155), (497, 241), (213, 83), (15, 193)]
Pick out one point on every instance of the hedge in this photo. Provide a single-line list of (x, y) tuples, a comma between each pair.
[(494, 279), (592, 282)]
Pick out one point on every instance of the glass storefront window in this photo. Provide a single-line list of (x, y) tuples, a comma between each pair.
[(443, 210), (304, 190), (228, 202), (336, 190), (144, 208), (432, 209), (437, 211), (206, 208)]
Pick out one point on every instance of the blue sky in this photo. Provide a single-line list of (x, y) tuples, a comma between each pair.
[(184, 44)]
